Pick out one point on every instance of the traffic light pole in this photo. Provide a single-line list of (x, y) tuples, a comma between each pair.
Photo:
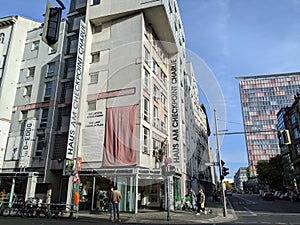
[(220, 167)]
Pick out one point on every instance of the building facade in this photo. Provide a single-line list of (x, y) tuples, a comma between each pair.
[(239, 178), (289, 142), (108, 106), (262, 97)]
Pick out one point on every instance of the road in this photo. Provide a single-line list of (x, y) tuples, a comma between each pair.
[(251, 209)]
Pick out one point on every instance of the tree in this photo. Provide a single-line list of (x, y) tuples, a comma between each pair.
[(270, 172)]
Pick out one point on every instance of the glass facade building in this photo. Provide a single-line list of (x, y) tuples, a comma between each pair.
[(261, 98)]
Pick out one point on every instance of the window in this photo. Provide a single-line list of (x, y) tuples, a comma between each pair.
[(51, 70), (164, 123), (2, 36), (31, 71), (93, 78), (95, 2), (48, 90), (44, 118), (97, 28), (155, 147), (296, 133), (92, 105), (95, 57), (155, 93), (35, 45), (146, 80), (145, 140), (23, 115), (40, 146), (27, 90), (155, 117), (164, 78), (147, 57), (146, 109), (293, 118), (164, 101), (155, 67)]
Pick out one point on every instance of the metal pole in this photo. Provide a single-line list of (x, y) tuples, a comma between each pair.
[(168, 200), (220, 166)]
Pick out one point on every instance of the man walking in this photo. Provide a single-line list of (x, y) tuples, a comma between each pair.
[(200, 201), (193, 199), (116, 198)]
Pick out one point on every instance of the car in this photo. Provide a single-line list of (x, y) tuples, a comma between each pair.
[(268, 196), (228, 192)]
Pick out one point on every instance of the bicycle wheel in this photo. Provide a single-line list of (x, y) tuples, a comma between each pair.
[(6, 211), (13, 212)]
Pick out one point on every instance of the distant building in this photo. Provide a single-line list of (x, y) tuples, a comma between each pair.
[(262, 96), (239, 178), (289, 142)]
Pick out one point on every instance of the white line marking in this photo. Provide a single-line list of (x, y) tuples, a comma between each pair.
[(249, 211)]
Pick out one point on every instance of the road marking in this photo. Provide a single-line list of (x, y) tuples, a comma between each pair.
[(249, 211), (247, 200)]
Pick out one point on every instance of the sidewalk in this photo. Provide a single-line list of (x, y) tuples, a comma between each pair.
[(148, 216)]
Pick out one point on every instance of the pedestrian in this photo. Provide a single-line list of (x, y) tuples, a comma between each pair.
[(200, 202), (110, 203), (193, 199), (116, 198)]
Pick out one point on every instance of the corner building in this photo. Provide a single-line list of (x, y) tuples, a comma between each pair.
[(131, 114)]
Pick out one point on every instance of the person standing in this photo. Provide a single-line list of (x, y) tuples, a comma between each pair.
[(110, 203), (116, 198), (193, 199), (200, 202)]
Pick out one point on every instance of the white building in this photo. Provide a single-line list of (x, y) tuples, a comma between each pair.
[(239, 178), (13, 32), (112, 97)]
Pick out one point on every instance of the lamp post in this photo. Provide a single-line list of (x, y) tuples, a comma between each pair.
[(220, 167)]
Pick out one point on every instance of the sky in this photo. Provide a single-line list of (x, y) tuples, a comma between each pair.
[(224, 39)]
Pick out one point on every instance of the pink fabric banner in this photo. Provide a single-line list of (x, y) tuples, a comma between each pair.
[(120, 136)]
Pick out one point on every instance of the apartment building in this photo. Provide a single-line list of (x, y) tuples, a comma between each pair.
[(30, 140), (13, 31), (262, 96), (239, 178), (198, 153), (108, 106), (289, 142)]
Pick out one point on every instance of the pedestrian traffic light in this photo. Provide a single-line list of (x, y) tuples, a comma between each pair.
[(51, 25)]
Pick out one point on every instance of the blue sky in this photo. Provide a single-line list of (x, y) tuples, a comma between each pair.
[(225, 39)]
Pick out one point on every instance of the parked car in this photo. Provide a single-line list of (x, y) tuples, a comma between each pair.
[(268, 196)]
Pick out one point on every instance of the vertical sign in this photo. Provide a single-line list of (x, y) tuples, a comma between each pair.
[(175, 113), (76, 92), (27, 145)]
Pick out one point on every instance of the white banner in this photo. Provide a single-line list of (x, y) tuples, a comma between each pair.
[(27, 145), (76, 92)]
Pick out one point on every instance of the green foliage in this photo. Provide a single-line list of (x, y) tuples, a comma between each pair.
[(270, 172)]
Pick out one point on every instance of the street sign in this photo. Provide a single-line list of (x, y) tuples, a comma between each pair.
[(169, 160), (212, 164), (76, 178)]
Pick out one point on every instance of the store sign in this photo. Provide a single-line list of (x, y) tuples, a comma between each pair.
[(27, 145), (175, 112), (76, 92)]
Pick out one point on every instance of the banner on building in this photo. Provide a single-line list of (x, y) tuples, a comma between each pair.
[(93, 136), (27, 144), (175, 121), (76, 92), (120, 138)]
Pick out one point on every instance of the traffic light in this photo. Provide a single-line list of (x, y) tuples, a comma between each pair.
[(52, 20), (285, 135), (225, 171)]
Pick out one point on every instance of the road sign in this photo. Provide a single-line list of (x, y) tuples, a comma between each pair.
[(169, 160), (76, 178)]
